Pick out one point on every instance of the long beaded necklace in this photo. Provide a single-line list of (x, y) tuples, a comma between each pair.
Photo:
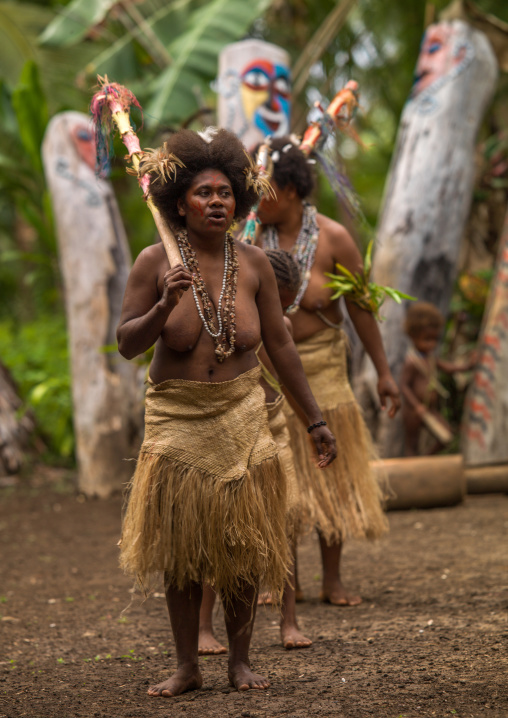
[(224, 334), (303, 250)]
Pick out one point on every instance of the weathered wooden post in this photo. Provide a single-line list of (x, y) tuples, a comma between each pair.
[(429, 188), (254, 86), (95, 262), (485, 419)]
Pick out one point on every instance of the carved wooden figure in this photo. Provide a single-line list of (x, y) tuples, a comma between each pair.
[(485, 421), (429, 188), (254, 88), (95, 262)]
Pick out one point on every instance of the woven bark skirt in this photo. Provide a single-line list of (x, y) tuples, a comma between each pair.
[(298, 515), (207, 502), (345, 499)]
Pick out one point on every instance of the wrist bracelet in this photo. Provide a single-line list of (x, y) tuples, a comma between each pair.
[(315, 426)]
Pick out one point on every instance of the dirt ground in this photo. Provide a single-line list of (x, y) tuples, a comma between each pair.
[(430, 638)]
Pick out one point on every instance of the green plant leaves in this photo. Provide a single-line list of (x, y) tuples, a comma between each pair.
[(358, 289), (75, 21), (175, 93), (29, 103)]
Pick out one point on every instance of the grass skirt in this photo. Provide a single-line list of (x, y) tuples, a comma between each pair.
[(298, 516), (345, 499), (207, 502)]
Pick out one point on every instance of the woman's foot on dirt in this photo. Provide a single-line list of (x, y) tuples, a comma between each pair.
[(208, 645), (185, 679), (242, 678), (265, 598), (337, 595), (292, 637)]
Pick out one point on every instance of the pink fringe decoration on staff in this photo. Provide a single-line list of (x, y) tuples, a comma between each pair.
[(111, 97)]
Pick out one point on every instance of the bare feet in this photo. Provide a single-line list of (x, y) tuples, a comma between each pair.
[(337, 595), (185, 679), (208, 645), (293, 638), (265, 598), (242, 678)]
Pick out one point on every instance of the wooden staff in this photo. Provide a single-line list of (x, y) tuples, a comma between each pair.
[(110, 106), (337, 115)]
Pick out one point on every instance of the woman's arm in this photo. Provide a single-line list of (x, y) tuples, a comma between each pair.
[(285, 359), (345, 252), (368, 331), (144, 312)]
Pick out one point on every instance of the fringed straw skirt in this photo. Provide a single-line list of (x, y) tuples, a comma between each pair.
[(207, 502), (298, 515), (345, 499)]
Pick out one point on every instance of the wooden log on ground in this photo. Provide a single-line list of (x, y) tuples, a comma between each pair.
[(429, 189), (487, 479), (423, 482), (95, 262)]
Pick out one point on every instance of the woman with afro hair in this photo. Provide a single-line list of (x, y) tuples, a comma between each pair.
[(207, 500), (346, 500)]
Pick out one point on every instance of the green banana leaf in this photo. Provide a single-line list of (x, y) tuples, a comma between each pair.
[(74, 21), (20, 27), (176, 90), (29, 103)]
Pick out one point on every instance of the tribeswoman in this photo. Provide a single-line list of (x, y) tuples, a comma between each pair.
[(347, 501), (288, 279), (207, 501)]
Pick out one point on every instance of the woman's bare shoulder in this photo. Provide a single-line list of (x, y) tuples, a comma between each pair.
[(339, 242), (254, 255), (151, 259)]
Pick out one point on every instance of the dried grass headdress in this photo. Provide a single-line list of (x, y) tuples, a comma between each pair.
[(258, 177), (159, 163)]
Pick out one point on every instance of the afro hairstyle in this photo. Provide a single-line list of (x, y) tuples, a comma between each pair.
[(290, 166), (213, 149)]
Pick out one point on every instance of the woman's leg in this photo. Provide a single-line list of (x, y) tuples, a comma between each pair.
[(240, 613), (333, 590), (208, 644), (183, 607), (289, 630)]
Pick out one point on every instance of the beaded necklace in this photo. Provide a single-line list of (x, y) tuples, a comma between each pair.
[(303, 250), (225, 333)]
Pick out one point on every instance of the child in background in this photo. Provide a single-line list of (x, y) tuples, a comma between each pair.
[(419, 384), (288, 281)]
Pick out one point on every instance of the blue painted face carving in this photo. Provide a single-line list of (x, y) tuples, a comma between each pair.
[(266, 96)]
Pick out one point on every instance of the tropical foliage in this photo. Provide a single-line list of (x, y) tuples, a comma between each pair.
[(37, 355), (357, 287), (166, 52)]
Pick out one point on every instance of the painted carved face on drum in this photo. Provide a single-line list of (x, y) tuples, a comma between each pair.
[(266, 96), (84, 142), (440, 53), (209, 203)]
